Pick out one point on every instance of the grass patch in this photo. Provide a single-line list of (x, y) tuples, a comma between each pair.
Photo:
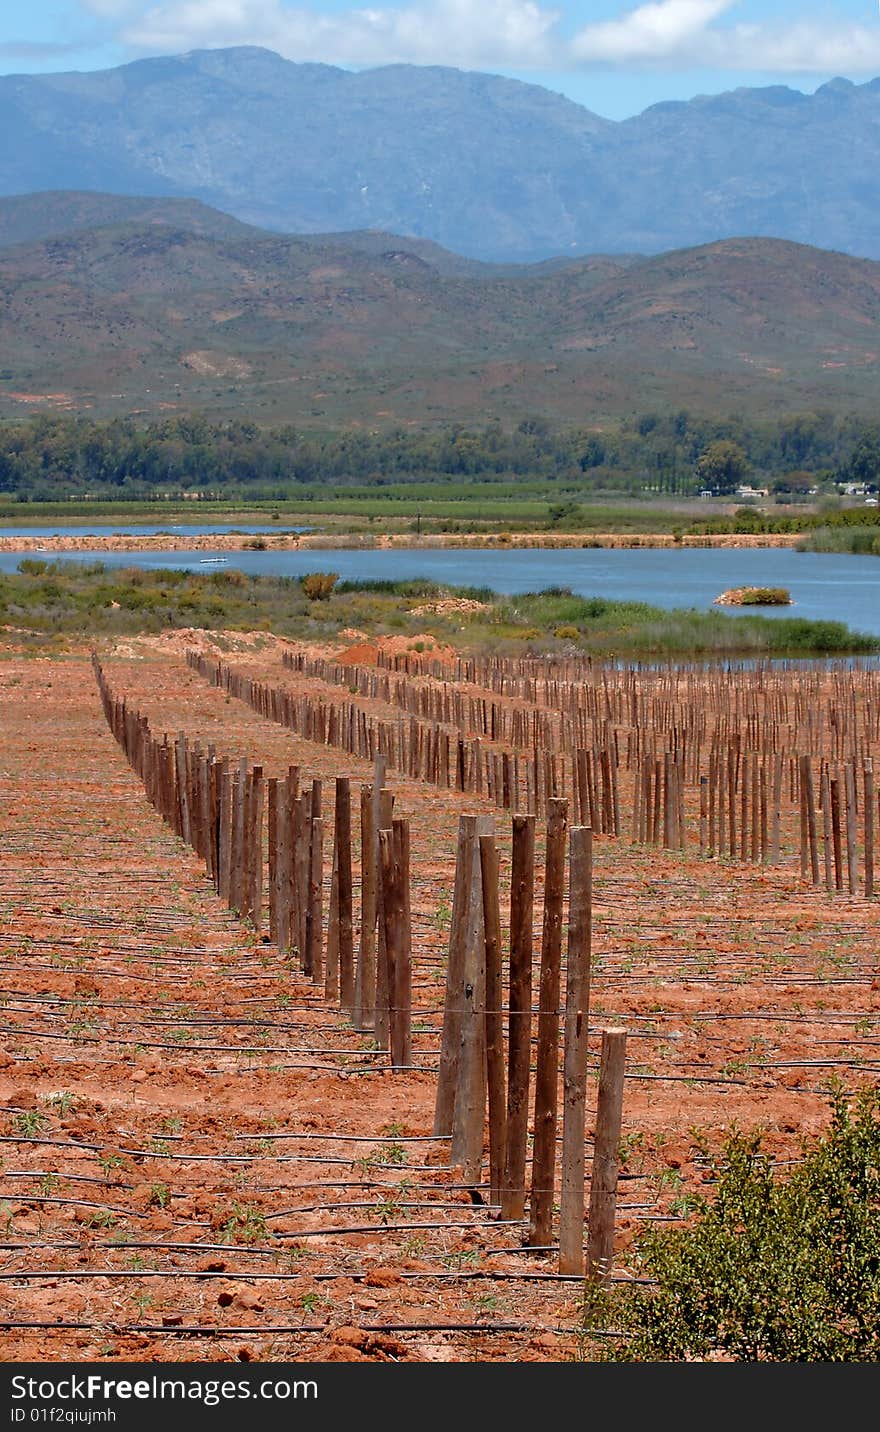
[(853, 541), (55, 599)]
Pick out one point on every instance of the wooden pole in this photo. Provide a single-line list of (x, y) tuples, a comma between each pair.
[(547, 1066), (577, 1014), (519, 1018), (470, 1090), (365, 979), (868, 779), (401, 1020), (851, 833), (383, 816), (603, 1183), (835, 833), (489, 867), (451, 1034), (809, 806), (342, 826), (331, 964), (255, 848)]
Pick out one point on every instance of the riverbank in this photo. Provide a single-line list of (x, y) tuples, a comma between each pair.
[(46, 605), (318, 541)]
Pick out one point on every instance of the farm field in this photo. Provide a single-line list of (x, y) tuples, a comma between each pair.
[(203, 1158)]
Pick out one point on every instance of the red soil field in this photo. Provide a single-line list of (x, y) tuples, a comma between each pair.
[(202, 1159)]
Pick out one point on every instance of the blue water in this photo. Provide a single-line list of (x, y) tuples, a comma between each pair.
[(823, 585)]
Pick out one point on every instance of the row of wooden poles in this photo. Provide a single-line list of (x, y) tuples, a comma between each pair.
[(741, 795), (218, 808), (831, 709), (427, 752), (825, 698), (473, 1082), (838, 803), (221, 810)]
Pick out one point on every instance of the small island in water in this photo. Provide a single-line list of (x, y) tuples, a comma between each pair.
[(754, 597)]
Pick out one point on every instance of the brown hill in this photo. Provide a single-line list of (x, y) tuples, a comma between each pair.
[(159, 314)]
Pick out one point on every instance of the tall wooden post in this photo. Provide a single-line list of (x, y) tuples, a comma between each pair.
[(519, 1019), (342, 825), (603, 1183), (365, 978), (469, 1114), (577, 1014), (547, 1066), (494, 1015)]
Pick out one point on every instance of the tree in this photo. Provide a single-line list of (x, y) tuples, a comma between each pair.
[(722, 465), (864, 464), (795, 482)]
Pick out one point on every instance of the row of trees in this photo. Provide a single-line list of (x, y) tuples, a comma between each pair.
[(48, 458)]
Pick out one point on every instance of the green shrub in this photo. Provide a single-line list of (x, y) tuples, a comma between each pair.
[(764, 597), (775, 1268)]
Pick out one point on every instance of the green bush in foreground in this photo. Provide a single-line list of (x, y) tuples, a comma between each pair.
[(775, 1268)]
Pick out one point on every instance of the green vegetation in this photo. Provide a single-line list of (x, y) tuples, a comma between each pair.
[(857, 541), (775, 1267), (547, 469), (50, 603), (759, 597)]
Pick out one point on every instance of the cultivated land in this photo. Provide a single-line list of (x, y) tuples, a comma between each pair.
[(202, 1158)]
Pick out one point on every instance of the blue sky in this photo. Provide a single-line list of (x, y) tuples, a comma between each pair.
[(615, 56)]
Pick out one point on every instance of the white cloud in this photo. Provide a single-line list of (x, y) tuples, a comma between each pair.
[(802, 48), (658, 32), (451, 32), (514, 34)]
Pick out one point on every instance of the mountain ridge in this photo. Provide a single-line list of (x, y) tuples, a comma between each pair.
[(490, 168)]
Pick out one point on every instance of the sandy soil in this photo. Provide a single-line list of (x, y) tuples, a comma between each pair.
[(193, 1139), (234, 542)]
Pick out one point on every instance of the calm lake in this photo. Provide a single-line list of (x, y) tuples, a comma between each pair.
[(823, 586)]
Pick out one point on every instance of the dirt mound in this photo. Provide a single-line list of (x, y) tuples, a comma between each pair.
[(449, 606), (367, 653), (211, 643), (362, 653)]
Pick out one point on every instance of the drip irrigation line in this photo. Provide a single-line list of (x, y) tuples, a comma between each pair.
[(40, 1198), (494, 1275), (274, 1329), (65, 1177)]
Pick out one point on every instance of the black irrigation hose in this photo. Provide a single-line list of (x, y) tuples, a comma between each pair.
[(172, 1330), (492, 1275)]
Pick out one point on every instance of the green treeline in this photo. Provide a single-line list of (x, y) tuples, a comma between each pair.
[(48, 458)]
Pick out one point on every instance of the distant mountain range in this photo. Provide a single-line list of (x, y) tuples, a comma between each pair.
[(113, 305), (487, 167)]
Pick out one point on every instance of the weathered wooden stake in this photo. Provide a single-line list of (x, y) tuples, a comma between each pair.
[(519, 1019), (547, 1066), (489, 867), (577, 1014), (603, 1183)]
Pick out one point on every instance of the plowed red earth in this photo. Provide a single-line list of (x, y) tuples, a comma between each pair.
[(201, 1159)]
